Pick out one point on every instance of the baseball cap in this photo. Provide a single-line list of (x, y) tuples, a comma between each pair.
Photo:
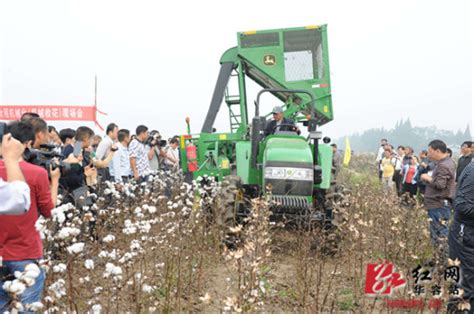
[(277, 109)]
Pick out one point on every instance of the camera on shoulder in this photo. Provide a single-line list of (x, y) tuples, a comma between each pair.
[(47, 158), (154, 139)]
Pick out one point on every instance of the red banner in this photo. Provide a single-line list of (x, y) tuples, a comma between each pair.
[(52, 113)]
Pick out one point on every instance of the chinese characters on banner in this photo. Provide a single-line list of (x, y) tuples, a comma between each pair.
[(52, 113)]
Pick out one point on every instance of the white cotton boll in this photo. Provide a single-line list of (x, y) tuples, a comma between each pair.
[(151, 209), (135, 245), (125, 258), (6, 285), (145, 227), (96, 308), (109, 238), (109, 267), (17, 306), (76, 248), (137, 210), (113, 254), (41, 227), (67, 232), (107, 191), (89, 264), (103, 254), (147, 288), (60, 268), (32, 267), (130, 230), (28, 281), (116, 271), (16, 287), (60, 218), (30, 274), (98, 290), (58, 288), (34, 307)]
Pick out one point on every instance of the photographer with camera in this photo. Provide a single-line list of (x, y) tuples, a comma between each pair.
[(40, 128), (155, 143), (14, 192), (75, 180), (139, 157), (20, 242)]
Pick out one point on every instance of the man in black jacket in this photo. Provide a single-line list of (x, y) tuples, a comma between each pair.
[(279, 123), (461, 233), (465, 159)]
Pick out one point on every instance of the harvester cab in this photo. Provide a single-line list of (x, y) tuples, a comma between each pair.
[(295, 171)]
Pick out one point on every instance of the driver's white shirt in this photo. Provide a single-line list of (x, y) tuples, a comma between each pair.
[(278, 124)]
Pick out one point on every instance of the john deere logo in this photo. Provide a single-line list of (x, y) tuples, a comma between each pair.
[(269, 60)]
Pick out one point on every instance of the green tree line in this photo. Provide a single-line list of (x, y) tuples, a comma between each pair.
[(406, 135)]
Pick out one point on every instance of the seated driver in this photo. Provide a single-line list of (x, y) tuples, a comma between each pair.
[(280, 123)]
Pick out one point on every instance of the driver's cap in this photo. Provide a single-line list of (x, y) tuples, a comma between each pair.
[(277, 109)]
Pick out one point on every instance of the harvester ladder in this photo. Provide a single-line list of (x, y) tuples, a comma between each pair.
[(233, 102)]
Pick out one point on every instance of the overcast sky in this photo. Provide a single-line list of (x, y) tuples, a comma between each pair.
[(157, 61)]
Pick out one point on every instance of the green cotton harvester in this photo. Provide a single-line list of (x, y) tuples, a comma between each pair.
[(295, 171)]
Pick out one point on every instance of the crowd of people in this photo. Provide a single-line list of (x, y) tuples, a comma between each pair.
[(118, 157), (40, 162), (446, 189), (401, 169)]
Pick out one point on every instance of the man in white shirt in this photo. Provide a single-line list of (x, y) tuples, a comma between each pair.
[(104, 149), (120, 168), (139, 157), (172, 155), (380, 153), (14, 194)]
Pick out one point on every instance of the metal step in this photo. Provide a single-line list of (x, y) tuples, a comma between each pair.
[(233, 102)]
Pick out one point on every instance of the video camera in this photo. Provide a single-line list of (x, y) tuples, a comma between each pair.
[(154, 139), (47, 158)]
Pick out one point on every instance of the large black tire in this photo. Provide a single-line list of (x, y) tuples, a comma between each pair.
[(227, 202), (226, 206)]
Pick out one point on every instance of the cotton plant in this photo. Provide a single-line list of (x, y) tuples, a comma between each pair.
[(95, 250)]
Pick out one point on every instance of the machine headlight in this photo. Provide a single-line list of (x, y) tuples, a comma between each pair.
[(274, 173), (289, 173)]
